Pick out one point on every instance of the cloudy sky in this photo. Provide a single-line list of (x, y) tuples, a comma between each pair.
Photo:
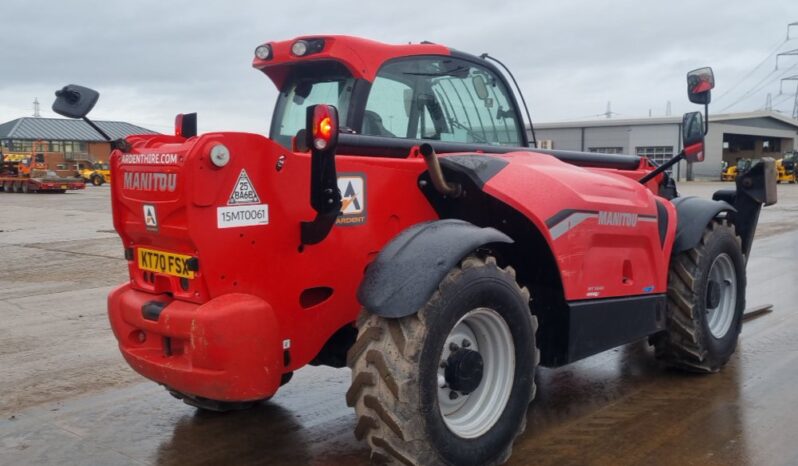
[(153, 59)]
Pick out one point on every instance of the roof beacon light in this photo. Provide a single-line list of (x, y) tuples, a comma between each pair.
[(299, 48), (325, 126), (263, 52), (220, 155)]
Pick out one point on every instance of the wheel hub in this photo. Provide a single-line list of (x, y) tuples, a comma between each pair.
[(721, 298), (464, 370), (476, 372), (713, 294)]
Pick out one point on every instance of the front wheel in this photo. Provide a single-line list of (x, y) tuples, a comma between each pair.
[(452, 383), (706, 299), (97, 180)]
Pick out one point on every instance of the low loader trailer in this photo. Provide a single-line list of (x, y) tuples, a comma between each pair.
[(23, 173)]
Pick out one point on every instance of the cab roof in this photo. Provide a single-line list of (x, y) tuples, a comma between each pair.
[(362, 57)]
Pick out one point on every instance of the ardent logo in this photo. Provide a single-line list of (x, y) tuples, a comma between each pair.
[(353, 199), (149, 181), (150, 217)]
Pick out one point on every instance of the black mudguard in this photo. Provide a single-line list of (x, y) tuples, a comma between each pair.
[(694, 214), (408, 270)]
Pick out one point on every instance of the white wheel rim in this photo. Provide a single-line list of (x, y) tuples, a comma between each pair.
[(720, 317), (472, 415)]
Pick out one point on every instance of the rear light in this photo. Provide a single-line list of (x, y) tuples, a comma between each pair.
[(325, 126), (186, 125), (304, 47), (220, 155), (263, 52)]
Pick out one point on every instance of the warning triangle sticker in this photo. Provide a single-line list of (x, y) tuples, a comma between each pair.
[(244, 191)]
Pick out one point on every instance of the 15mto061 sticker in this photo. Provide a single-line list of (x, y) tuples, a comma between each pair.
[(243, 206), (242, 216)]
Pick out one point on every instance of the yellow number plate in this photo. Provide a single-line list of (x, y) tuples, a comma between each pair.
[(164, 262), (63, 186)]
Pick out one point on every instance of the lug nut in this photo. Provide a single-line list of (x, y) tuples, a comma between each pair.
[(453, 395), (443, 365), (453, 347), (466, 343)]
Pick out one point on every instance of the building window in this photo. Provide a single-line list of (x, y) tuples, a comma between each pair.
[(657, 154), (606, 150)]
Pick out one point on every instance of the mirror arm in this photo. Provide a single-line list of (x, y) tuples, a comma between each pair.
[(679, 157), (97, 128), (706, 118), (120, 143)]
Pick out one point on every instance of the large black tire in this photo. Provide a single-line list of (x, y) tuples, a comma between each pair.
[(688, 343), (395, 372), (97, 180)]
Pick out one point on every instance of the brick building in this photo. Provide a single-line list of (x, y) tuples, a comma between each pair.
[(63, 141)]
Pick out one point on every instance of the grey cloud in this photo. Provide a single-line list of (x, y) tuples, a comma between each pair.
[(152, 59)]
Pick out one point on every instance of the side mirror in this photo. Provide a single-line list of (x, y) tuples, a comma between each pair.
[(699, 84), (75, 101), (480, 87), (693, 136)]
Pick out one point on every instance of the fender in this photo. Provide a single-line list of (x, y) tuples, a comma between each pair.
[(409, 268), (694, 214)]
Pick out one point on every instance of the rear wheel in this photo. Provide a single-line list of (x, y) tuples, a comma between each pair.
[(97, 180), (17, 186), (706, 299), (452, 383)]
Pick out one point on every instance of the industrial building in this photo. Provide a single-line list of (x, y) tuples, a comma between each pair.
[(731, 137), (63, 140)]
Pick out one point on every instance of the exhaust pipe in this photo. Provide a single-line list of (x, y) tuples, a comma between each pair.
[(453, 190)]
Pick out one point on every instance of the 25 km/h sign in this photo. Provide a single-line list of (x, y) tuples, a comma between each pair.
[(244, 191)]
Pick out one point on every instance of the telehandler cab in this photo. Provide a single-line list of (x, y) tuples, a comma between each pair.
[(398, 221)]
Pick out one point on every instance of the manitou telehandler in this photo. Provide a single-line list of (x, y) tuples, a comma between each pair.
[(398, 220)]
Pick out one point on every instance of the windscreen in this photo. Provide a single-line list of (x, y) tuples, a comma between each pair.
[(310, 84), (441, 98)]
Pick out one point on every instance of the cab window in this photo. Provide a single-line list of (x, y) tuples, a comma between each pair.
[(441, 98), (310, 84)]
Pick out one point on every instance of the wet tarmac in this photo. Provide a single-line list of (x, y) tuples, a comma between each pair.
[(616, 408)]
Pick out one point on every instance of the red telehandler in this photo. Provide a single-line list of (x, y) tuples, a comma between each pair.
[(399, 221)]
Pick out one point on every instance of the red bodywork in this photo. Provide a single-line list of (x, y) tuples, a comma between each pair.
[(260, 306)]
